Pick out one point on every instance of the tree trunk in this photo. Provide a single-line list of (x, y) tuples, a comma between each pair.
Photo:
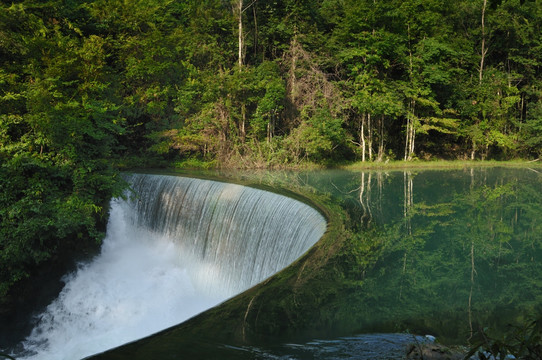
[(407, 137), (407, 132), (412, 144), (223, 117), (292, 72), (369, 137), (240, 31), (362, 137), (410, 132), (380, 155), (484, 49), (255, 32), (271, 127), (242, 131), (473, 152)]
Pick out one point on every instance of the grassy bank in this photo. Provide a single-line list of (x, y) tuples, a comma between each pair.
[(137, 163), (441, 164)]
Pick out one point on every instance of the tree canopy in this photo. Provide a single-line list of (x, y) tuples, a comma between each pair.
[(270, 83)]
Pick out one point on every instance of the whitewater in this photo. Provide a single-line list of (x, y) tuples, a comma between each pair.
[(173, 248)]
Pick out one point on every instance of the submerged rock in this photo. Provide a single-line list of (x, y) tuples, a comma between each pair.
[(433, 352)]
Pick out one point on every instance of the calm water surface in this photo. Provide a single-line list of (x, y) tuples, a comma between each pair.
[(453, 250), (429, 252)]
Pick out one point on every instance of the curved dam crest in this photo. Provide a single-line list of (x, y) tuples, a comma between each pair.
[(176, 247), (236, 236)]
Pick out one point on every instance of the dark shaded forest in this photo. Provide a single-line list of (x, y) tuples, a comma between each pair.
[(91, 87)]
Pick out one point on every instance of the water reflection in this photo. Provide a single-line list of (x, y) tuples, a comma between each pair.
[(443, 252), (465, 252), (361, 347), (425, 252)]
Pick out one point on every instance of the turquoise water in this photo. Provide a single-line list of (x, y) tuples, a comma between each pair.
[(428, 252), (453, 251)]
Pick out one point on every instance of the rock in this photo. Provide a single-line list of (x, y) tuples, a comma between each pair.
[(432, 351)]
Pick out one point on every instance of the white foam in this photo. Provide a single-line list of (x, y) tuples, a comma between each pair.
[(181, 247), (135, 287)]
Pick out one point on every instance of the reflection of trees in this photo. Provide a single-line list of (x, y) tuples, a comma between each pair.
[(359, 198), (365, 198), (408, 203), (408, 199), (370, 197), (497, 228), (465, 250), (473, 270), (472, 253)]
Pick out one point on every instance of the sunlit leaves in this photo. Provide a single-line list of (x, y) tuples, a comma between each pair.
[(59, 121)]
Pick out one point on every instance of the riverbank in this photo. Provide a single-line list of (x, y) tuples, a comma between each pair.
[(441, 164), (128, 164)]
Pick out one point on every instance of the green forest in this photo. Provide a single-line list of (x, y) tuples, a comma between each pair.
[(92, 87)]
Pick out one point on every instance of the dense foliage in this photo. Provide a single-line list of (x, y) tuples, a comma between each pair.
[(290, 80), (520, 342), (245, 83), (58, 125), (260, 83)]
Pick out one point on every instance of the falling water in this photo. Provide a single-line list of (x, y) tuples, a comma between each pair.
[(176, 248)]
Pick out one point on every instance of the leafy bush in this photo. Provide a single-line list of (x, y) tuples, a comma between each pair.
[(520, 342)]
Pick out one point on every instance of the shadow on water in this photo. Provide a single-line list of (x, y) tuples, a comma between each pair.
[(362, 347)]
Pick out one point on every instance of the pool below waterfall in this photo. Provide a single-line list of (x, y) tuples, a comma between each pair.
[(404, 253), (174, 248)]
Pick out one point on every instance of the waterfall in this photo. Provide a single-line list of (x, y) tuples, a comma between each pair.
[(174, 248)]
